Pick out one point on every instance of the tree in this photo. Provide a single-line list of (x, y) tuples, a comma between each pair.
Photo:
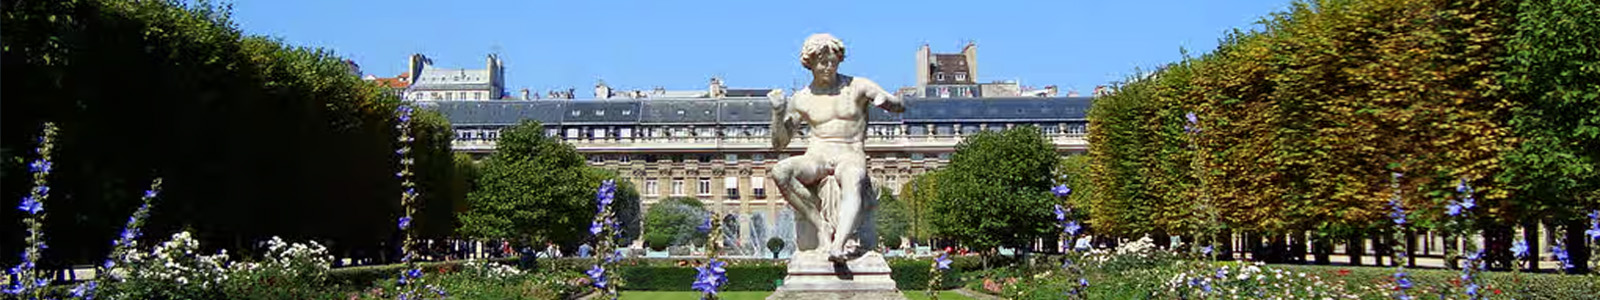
[(893, 219), (996, 190), (533, 188), (677, 217)]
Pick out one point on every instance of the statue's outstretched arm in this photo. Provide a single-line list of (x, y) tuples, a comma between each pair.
[(881, 98), (785, 120)]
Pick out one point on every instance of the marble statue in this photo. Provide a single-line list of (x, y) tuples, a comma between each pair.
[(828, 187)]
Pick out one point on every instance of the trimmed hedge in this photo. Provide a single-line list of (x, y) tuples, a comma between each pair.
[(365, 276), (1539, 285)]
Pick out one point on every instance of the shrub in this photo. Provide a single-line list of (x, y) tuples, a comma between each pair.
[(658, 241), (912, 274), (775, 245)]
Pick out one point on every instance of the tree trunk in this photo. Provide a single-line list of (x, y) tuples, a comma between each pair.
[(1577, 245), (1253, 242), (1226, 247), (1530, 234), (1411, 245), (1497, 244), (1381, 249), (1354, 249), (1322, 247)]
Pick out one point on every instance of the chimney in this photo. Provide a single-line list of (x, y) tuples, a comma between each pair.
[(601, 91), (717, 90), (525, 94), (415, 66), (970, 52), (924, 69)]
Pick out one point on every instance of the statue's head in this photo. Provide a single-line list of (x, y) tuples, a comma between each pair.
[(822, 53)]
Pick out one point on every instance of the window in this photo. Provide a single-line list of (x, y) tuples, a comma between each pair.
[(916, 156), (705, 158), (961, 76), (596, 158), (757, 158), (758, 187), (625, 158), (449, 96), (677, 187), (625, 133), (599, 133), (572, 133), (651, 188), (600, 112), (705, 187), (733, 158), (577, 113), (649, 158), (627, 112), (944, 156), (938, 76), (732, 185)]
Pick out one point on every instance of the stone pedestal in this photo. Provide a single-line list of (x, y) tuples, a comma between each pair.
[(812, 276)]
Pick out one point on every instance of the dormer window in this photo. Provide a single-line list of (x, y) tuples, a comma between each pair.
[(600, 112), (938, 76), (961, 76), (577, 113)]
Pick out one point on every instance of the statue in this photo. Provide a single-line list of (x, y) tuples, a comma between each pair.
[(828, 187)]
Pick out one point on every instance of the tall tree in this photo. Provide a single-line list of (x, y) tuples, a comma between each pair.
[(996, 190), (534, 188)]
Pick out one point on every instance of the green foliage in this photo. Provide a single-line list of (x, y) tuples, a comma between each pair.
[(917, 194), (255, 138), (677, 217), (1552, 67), (893, 219), (658, 241), (996, 190), (535, 188), (774, 244), (742, 276)]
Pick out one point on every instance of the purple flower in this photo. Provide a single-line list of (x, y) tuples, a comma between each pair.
[(1519, 248), (85, 291), (40, 166), (705, 227), (1461, 187), (31, 205), (405, 222), (943, 263), (1061, 190), (1469, 203), (1061, 215), (1452, 209), (1083, 282), (405, 113), (1472, 289), (42, 190), (1072, 228), (1401, 280), (150, 193), (607, 193), (598, 275), (1560, 252), (1206, 250), (595, 227), (1191, 117), (1398, 216)]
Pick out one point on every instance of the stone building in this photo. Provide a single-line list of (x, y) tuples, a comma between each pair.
[(429, 83), (718, 150)]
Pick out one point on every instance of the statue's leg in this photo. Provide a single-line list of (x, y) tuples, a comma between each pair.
[(852, 176), (791, 176)]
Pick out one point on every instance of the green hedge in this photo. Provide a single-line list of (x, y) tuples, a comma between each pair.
[(364, 276), (1539, 285), (912, 274)]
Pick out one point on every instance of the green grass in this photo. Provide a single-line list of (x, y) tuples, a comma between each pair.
[(943, 295), (652, 295)]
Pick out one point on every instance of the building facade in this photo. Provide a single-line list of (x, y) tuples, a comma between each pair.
[(429, 83), (719, 150)]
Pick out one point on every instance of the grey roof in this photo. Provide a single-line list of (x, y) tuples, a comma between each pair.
[(449, 86), (748, 111)]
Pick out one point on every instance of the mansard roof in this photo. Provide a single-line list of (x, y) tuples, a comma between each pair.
[(747, 111)]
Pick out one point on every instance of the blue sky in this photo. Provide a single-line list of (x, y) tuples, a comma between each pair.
[(1074, 44)]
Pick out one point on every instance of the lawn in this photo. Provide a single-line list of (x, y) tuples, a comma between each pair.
[(913, 295)]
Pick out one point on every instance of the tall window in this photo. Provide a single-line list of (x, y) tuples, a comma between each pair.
[(731, 184), (705, 187), (758, 187), (625, 158), (677, 187), (651, 188), (757, 158), (572, 133), (733, 158)]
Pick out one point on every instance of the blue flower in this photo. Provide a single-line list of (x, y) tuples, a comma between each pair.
[(40, 166), (1206, 250), (1461, 187), (1399, 217), (405, 113), (607, 193), (1560, 252), (405, 222), (1061, 190), (85, 291), (42, 190), (1061, 215), (1222, 273), (1401, 280), (1594, 233), (616, 256), (109, 264), (1191, 117), (1519, 248), (1472, 289), (597, 274), (943, 263), (595, 227), (1469, 203), (414, 273), (1452, 209), (705, 227), (1083, 282), (31, 205), (150, 193), (1072, 227)]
